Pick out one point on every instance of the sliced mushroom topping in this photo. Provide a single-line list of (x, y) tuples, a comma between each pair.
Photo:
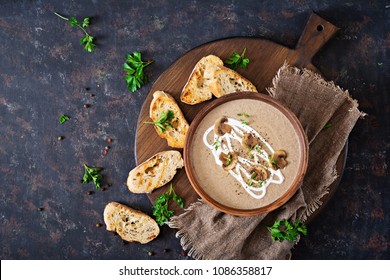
[(278, 159), (229, 160), (259, 173), (249, 141), (221, 127)]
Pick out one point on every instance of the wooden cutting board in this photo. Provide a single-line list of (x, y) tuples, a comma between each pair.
[(266, 58)]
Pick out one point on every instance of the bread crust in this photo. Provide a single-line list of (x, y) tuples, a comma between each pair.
[(228, 81), (131, 225), (155, 172), (196, 90), (163, 102)]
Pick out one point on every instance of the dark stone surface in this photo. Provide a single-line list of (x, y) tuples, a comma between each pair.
[(43, 70)]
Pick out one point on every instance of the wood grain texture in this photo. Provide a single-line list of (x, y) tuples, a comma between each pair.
[(266, 58)]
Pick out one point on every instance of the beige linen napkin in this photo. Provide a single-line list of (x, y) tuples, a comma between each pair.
[(210, 234)]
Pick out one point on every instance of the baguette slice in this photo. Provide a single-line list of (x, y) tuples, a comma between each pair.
[(229, 81), (154, 172), (176, 135), (130, 224), (196, 90)]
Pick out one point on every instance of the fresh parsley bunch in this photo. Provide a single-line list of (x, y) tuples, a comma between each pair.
[(161, 206), (285, 230), (237, 60), (87, 41), (92, 174), (163, 120), (134, 68)]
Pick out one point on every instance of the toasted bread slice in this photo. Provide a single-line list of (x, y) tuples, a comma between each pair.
[(130, 224), (154, 172), (229, 81), (175, 135), (196, 90)]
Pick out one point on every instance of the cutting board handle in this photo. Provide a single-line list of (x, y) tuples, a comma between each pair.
[(316, 33)]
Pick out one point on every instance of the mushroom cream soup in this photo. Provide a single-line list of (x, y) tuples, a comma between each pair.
[(245, 154)]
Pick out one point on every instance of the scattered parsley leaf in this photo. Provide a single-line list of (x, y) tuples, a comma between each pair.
[(163, 120), (87, 41), (92, 174), (134, 68), (257, 148), (160, 208), (244, 122), (63, 118), (244, 115), (229, 159), (237, 60), (285, 230), (216, 144), (328, 125), (86, 22), (178, 200)]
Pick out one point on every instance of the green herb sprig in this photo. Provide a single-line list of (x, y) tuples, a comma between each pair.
[(163, 120), (328, 125), (134, 68), (237, 60), (87, 41), (252, 178), (229, 160), (92, 174), (161, 206), (245, 122), (216, 144), (244, 115), (63, 118), (285, 230)]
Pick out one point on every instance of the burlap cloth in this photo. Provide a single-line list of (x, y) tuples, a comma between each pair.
[(210, 234)]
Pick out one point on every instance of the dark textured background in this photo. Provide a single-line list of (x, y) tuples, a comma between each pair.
[(43, 70)]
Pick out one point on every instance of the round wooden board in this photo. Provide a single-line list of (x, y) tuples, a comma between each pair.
[(266, 58)]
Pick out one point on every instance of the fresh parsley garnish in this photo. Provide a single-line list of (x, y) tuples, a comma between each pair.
[(252, 183), (216, 144), (328, 125), (63, 118), (244, 115), (285, 230), (134, 68), (92, 174), (161, 206), (87, 41), (229, 160), (237, 60), (257, 148), (163, 120)]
